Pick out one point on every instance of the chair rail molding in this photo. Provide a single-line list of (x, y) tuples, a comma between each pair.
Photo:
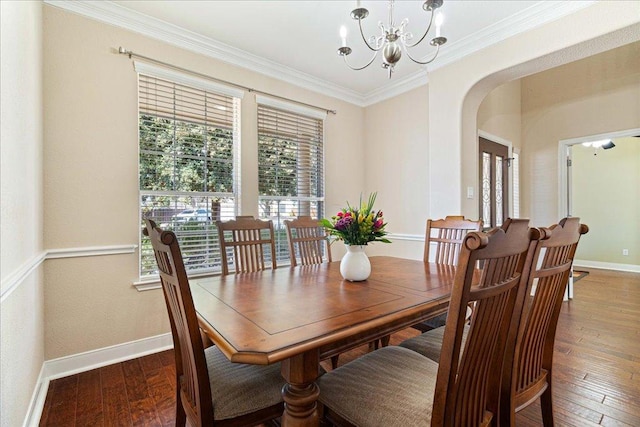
[(91, 251), (15, 279), (407, 237)]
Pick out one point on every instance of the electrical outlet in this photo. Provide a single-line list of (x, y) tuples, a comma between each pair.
[(625, 252)]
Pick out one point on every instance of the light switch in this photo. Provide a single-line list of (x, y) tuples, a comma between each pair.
[(469, 192)]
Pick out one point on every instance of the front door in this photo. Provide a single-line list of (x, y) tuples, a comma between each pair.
[(494, 183)]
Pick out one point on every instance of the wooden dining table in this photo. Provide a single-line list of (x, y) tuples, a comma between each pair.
[(299, 316)]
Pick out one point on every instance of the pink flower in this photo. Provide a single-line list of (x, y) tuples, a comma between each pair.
[(377, 224)]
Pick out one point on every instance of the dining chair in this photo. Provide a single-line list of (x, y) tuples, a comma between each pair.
[(445, 237), (246, 239), (531, 362), (395, 386), (308, 243), (210, 390)]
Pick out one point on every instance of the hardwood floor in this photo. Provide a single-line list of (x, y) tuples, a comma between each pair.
[(596, 369)]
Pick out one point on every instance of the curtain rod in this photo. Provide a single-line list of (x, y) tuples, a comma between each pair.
[(131, 54)]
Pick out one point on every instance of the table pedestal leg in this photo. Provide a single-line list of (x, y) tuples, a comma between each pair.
[(301, 393)]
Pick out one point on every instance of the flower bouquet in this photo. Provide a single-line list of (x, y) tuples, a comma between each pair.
[(356, 227)]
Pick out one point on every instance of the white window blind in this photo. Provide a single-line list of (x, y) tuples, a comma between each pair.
[(290, 169), (188, 152)]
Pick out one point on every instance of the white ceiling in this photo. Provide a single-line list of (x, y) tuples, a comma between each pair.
[(297, 40)]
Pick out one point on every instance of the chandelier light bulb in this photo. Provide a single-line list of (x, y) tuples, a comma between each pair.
[(439, 22), (343, 35)]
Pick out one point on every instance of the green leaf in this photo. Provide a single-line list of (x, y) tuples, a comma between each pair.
[(326, 223)]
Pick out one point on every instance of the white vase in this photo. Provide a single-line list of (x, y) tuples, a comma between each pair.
[(355, 265)]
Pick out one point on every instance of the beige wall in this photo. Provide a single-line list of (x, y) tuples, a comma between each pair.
[(21, 307), (91, 182), (397, 155), (500, 112), (606, 197), (593, 96)]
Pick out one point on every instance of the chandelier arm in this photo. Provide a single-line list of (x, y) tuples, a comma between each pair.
[(425, 33), (426, 62), (365, 39), (364, 66)]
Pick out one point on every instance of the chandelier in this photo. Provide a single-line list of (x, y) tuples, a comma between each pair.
[(393, 39)]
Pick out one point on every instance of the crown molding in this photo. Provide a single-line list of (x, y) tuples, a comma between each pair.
[(539, 14), (114, 14), (525, 20), (398, 87)]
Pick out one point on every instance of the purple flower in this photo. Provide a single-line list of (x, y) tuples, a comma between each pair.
[(343, 223)]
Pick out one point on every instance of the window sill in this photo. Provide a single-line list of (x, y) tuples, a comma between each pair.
[(153, 282)]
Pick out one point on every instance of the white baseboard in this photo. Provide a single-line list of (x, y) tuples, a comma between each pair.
[(82, 362), (607, 265)]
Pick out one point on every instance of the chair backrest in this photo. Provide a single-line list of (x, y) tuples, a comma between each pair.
[(532, 355), (468, 381), (191, 369), (307, 241), (447, 234), (247, 238)]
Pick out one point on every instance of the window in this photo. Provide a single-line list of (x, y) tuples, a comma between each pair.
[(290, 165), (494, 183), (515, 182), (188, 136)]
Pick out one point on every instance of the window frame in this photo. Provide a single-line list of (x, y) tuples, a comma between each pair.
[(235, 95), (304, 114)]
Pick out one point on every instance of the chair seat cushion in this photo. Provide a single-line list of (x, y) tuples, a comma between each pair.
[(429, 344), (238, 389), (433, 323), (392, 386)]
